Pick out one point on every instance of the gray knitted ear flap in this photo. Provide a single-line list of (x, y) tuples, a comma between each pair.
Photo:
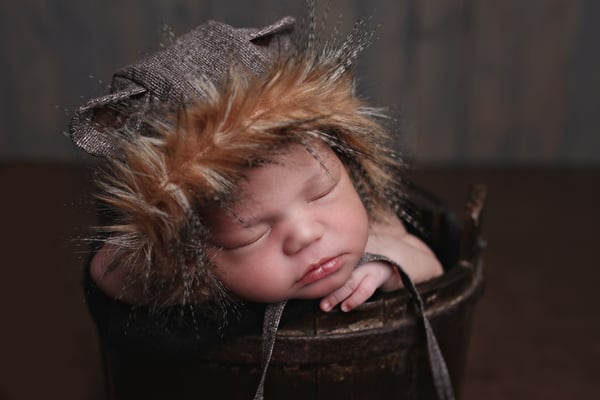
[(168, 76)]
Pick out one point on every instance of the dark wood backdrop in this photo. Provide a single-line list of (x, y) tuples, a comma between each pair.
[(511, 81)]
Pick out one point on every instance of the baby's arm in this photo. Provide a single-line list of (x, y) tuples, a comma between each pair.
[(390, 239)]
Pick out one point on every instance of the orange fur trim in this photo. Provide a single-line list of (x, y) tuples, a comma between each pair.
[(197, 155)]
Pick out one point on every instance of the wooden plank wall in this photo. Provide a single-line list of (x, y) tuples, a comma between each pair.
[(468, 81)]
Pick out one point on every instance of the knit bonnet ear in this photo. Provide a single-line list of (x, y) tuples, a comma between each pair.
[(168, 76)]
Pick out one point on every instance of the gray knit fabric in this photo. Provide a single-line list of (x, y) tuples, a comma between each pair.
[(207, 52)]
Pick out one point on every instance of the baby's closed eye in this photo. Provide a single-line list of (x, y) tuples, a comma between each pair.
[(323, 192), (242, 236), (325, 186)]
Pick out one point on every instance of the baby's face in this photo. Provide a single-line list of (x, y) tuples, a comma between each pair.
[(297, 231)]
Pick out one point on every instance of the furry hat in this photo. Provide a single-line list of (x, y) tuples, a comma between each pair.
[(180, 128)]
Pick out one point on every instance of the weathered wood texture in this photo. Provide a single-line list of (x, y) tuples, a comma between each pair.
[(510, 81)]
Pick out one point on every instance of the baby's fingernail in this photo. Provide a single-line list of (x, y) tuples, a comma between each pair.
[(325, 306), (345, 308)]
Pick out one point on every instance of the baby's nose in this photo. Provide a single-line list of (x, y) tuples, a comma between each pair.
[(302, 233)]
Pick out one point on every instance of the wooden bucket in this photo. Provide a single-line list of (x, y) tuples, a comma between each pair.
[(377, 351)]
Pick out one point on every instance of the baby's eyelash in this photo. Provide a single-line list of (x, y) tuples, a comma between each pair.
[(325, 192), (248, 243)]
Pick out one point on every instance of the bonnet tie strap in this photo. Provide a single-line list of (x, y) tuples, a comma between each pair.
[(441, 377), (273, 314), (439, 370)]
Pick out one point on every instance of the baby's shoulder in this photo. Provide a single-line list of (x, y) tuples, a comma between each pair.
[(112, 280)]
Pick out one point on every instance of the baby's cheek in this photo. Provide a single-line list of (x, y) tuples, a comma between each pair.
[(225, 267)]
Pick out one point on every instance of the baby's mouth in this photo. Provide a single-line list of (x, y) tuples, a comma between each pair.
[(321, 269)]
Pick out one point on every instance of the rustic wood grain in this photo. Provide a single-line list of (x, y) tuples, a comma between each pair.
[(468, 81)]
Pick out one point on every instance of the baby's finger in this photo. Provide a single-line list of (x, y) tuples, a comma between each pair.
[(362, 293), (339, 295)]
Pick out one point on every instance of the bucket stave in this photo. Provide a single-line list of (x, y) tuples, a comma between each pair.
[(377, 351)]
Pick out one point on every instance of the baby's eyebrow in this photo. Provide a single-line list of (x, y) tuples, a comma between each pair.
[(329, 171), (241, 220), (248, 221), (315, 178)]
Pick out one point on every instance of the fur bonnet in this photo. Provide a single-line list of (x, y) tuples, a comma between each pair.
[(179, 128)]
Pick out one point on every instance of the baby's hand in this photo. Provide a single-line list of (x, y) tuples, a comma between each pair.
[(362, 284), (388, 238)]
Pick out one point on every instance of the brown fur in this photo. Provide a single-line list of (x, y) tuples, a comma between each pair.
[(195, 156)]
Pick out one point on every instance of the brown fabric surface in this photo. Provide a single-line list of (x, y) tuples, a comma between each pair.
[(172, 76)]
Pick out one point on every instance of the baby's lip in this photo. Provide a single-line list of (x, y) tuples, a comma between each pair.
[(321, 269)]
